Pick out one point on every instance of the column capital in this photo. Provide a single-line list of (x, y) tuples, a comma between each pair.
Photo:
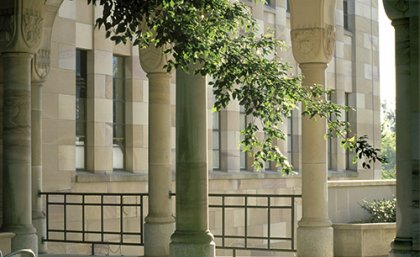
[(153, 59), (313, 45), (396, 9), (21, 27)]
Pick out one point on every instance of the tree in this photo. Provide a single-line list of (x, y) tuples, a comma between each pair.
[(388, 142), (223, 38)]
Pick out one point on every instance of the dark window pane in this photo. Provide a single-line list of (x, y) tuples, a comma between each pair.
[(118, 107), (81, 79), (81, 95), (346, 14)]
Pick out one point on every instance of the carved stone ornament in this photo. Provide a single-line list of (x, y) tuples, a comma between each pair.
[(41, 65), (153, 59), (313, 44), (329, 45), (7, 28), (17, 117), (32, 28), (396, 9)]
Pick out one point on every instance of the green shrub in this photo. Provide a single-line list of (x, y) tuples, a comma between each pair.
[(389, 174), (381, 210)]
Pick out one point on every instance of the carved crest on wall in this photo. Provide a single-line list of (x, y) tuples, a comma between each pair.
[(400, 5), (31, 27), (329, 44), (396, 9), (306, 41), (7, 27), (313, 44), (153, 59), (41, 64)]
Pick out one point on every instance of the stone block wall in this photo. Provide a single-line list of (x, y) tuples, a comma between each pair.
[(345, 198)]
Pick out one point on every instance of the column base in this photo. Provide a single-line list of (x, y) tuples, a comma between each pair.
[(25, 237), (39, 222), (315, 241), (192, 244), (192, 250), (401, 247), (157, 237)]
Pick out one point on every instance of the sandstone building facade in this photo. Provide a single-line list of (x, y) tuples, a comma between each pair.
[(92, 119), (95, 110)]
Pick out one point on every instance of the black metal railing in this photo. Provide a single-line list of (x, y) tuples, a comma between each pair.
[(248, 212), (240, 222), (81, 218)]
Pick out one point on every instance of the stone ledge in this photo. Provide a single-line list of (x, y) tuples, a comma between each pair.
[(364, 226), (250, 175), (115, 176), (361, 183), (122, 176)]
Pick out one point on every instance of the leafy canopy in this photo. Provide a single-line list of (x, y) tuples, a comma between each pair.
[(244, 65)]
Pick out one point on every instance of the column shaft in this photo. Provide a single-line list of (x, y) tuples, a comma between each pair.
[(403, 238), (314, 156), (17, 217), (159, 222), (192, 237), (315, 234), (38, 217)]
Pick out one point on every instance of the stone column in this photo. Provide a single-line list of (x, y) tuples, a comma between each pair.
[(19, 41), (17, 217), (402, 243), (192, 237), (40, 70), (315, 234), (159, 222), (313, 41)]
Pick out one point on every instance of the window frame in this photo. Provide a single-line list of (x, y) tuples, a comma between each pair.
[(216, 129)]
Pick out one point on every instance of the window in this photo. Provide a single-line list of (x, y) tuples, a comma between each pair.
[(267, 166), (348, 118), (346, 14), (270, 3), (288, 6), (330, 154), (81, 92), (118, 108), (216, 141), (242, 126)]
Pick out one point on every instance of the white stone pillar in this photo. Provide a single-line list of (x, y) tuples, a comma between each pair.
[(160, 223), (192, 237), (313, 42), (402, 244), (17, 217)]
